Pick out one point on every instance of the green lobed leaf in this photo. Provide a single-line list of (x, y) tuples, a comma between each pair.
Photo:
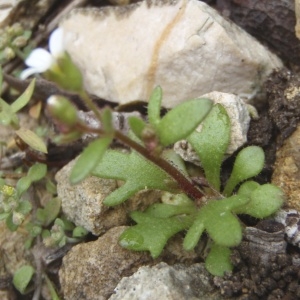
[(37, 172), (24, 98), (31, 139), (248, 163), (264, 201), (211, 143), (154, 106), (22, 278), (137, 125), (218, 261), (180, 122), (217, 219), (152, 233), (89, 158), (128, 167)]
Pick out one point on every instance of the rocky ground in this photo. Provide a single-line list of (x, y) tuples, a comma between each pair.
[(190, 50)]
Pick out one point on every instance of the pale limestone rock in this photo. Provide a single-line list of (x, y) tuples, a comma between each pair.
[(166, 282), (83, 203), (240, 120), (184, 46)]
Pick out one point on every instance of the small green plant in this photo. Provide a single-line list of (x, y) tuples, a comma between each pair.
[(217, 215), (151, 164)]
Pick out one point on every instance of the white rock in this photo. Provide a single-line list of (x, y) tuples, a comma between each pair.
[(238, 113), (166, 282), (184, 46)]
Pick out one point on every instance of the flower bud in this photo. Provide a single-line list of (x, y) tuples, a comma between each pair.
[(66, 74), (62, 110)]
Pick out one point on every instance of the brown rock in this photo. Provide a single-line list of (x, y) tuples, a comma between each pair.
[(92, 270), (287, 169)]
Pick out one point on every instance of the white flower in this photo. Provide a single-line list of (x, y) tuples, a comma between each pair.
[(41, 60)]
